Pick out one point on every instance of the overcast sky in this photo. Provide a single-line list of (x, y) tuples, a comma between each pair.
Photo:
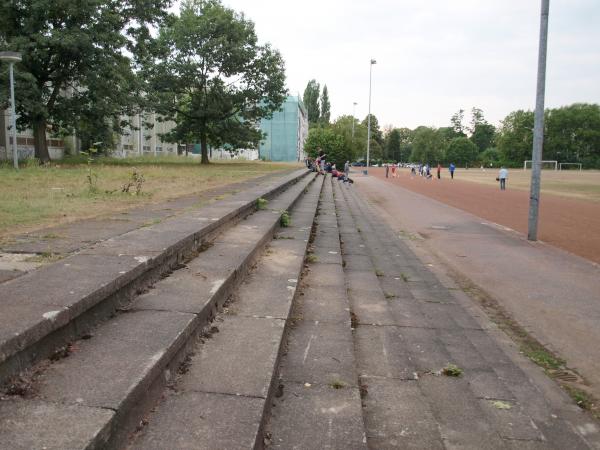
[(433, 56)]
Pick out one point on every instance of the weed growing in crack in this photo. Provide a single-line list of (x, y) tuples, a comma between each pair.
[(542, 357), (261, 203), (337, 384), (452, 370), (285, 220)]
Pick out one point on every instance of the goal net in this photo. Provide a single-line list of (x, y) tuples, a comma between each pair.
[(569, 166), (546, 164)]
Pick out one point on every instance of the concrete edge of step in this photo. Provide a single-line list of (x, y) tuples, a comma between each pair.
[(37, 339), (203, 320), (258, 432), (353, 389), (139, 399)]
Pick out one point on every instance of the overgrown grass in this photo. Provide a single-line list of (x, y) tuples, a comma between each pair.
[(38, 196)]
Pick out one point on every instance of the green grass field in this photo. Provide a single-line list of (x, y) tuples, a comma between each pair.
[(39, 196)]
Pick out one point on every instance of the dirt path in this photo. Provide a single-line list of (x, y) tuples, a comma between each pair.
[(570, 224)]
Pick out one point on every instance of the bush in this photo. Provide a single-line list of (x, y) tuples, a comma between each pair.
[(330, 142)]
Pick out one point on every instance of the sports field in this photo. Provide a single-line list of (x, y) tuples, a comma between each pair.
[(569, 204), (584, 185)]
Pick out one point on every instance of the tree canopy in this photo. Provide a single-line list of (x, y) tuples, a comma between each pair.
[(515, 139), (76, 68), (212, 78), (311, 101), (330, 142), (482, 132), (354, 148), (461, 151), (325, 106), (428, 145)]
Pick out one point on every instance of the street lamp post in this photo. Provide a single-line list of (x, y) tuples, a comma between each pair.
[(12, 58), (538, 130), (369, 117), (353, 118)]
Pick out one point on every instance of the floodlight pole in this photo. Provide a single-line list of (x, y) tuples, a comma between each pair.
[(12, 58), (369, 117), (353, 118), (13, 117), (538, 130)]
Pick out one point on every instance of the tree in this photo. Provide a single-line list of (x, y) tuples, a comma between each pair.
[(213, 79), (457, 122), (482, 132), (461, 151), (573, 134), (490, 157), (325, 106), (483, 136), (406, 139), (392, 145), (428, 145), (74, 54), (449, 133), (330, 142), (355, 148), (515, 138), (311, 101), (476, 118), (376, 133)]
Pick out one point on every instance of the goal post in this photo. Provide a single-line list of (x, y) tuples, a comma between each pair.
[(546, 164), (579, 166)]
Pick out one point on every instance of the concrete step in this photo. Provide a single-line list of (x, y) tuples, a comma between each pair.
[(111, 379), (319, 404), (45, 309), (221, 400), (410, 327)]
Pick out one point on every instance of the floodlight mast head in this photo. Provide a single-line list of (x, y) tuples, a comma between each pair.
[(11, 57)]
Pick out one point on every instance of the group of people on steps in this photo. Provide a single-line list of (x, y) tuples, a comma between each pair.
[(322, 167)]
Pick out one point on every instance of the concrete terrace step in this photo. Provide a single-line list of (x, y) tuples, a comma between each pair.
[(44, 309), (110, 380), (320, 405), (420, 326), (220, 402)]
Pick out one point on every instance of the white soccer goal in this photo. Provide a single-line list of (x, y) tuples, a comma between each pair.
[(546, 164), (560, 165)]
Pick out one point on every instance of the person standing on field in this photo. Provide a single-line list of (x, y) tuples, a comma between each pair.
[(452, 168), (387, 170), (502, 176), (439, 171)]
